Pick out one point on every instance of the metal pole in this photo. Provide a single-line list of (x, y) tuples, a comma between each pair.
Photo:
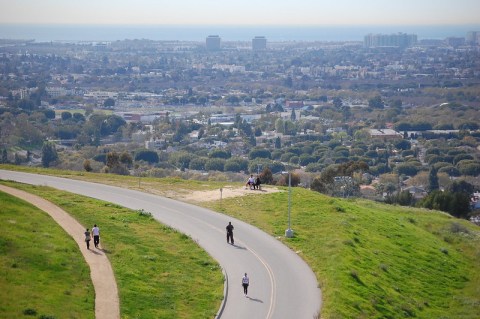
[(289, 198), (289, 231)]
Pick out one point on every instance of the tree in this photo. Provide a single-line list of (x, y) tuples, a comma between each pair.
[(113, 159), (470, 169), (219, 153), (288, 82), (78, 117), (147, 156), (126, 158), (87, 165), (66, 116), (278, 143), (4, 156), (49, 114), (236, 164), (407, 169), (293, 116), (280, 126), (318, 185), (337, 102), (433, 180), (290, 128), (461, 187), (376, 102), (266, 176), (259, 152), (456, 204), (109, 102), (49, 154), (197, 163), (403, 144), (215, 164)]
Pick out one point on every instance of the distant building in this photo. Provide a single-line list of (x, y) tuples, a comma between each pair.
[(259, 43), (397, 40), (432, 42), (416, 191), (57, 91), (294, 104), (473, 38), (385, 134), (455, 42), (213, 43)]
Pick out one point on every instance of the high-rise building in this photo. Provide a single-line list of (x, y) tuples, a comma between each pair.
[(213, 43), (473, 38), (259, 43), (398, 40)]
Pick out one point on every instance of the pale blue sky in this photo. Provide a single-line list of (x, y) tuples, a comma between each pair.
[(244, 12)]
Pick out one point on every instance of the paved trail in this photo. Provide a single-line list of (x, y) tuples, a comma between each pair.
[(281, 283), (106, 294)]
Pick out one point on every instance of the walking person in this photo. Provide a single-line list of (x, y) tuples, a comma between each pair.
[(87, 238), (96, 235), (245, 283), (230, 233)]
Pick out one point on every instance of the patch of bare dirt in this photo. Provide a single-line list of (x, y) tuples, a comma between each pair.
[(225, 192)]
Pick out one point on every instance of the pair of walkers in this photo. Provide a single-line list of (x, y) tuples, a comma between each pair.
[(245, 279), (96, 236)]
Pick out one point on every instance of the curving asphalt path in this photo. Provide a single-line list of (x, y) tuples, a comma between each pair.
[(281, 283)]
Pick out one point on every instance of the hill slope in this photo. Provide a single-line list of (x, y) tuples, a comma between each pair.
[(375, 260)]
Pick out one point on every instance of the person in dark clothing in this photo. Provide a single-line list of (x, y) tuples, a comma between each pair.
[(230, 233), (257, 183), (87, 238)]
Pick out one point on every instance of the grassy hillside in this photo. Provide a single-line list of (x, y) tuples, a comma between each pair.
[(43, 273), (155, 266), (372, 260)]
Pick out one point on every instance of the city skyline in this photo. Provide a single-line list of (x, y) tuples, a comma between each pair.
[(247, 12)]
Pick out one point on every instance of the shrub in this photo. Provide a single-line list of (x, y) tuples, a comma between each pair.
[(30, 312)]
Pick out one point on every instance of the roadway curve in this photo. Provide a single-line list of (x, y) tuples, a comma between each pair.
[(281, 283)]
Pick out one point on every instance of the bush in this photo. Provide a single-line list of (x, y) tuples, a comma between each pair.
[(30, 312), (147, 156)]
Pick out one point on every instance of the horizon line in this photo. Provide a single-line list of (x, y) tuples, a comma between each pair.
[(245, 25)]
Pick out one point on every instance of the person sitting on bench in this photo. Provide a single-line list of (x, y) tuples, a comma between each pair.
[(250, 182), (257, 183)]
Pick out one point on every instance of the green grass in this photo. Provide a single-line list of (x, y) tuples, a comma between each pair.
[(160, 273), (43, 272), (371, 260), (374, 260)]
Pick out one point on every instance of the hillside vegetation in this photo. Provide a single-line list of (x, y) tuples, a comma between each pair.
[(372, 260)]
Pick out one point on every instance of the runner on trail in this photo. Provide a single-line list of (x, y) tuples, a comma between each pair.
[(245, 283)]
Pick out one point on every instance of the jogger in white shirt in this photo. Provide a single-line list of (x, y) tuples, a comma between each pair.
[(245, 283)]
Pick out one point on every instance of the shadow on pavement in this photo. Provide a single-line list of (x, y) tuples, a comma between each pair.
[(256, 300)]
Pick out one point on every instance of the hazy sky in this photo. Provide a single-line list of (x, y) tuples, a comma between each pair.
[(242, 12)]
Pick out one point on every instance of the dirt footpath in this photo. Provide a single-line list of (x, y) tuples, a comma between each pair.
[(106, 294), (226, 192)]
